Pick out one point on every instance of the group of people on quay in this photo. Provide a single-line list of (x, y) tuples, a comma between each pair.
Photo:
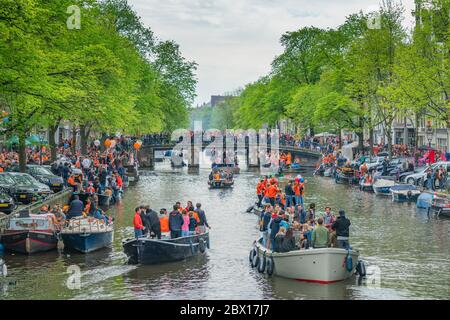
[(180, 222), (286, 224)]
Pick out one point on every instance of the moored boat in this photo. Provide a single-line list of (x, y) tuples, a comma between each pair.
[(325, 265), (346, 176), (155, 251), (382, 185), (87, 234), (30, 233), (405, 193)]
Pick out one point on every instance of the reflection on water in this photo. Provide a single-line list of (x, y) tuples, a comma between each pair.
[(411, 251)]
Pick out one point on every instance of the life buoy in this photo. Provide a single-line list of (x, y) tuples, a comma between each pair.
[(262, 264), (270, 266), (201, 245), (255, 261)]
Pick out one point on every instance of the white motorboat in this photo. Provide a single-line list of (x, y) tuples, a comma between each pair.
[(325, 265), (382, 185)]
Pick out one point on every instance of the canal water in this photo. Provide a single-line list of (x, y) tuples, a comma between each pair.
[(407, 253)]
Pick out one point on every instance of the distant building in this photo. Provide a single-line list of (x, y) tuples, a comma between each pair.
[(215, 100)]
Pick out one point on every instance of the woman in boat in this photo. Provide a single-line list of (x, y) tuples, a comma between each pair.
[(185, 226), (192, 223), (189, 206), (288, 243)]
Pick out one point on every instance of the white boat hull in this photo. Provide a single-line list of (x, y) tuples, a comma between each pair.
[(325, 265)]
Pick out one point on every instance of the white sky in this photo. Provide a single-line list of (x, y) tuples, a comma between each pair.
[(234, 42)]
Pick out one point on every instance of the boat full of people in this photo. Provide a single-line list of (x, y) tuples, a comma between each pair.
[(87, 234), (163, 238), (220, 179)]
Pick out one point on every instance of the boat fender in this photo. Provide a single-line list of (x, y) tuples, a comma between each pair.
[(262, 264), (252, 255), (255, 261), (349, 262), (361, 268), (2, 249), (201, 245), (270, 266)]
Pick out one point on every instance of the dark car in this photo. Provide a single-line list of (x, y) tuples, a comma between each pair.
[(44, 175), (7, 203), (27, 189)]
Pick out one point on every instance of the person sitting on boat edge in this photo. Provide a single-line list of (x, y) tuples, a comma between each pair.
[(99, 214), (288, 243), (137, 223), (341, 225), (278, 240), (320, 235), (175, 223)]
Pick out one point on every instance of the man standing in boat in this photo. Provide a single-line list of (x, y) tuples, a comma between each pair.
[(341, 225), (175, 223), (203, 223), (137, 223)]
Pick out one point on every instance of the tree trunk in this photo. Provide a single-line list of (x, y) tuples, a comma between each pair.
[(84, 134), (371, 141), (389, 141), (52, 142), (74, 139), (22, 153)]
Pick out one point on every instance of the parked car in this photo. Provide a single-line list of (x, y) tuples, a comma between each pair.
[(420, 177), (7, 203), (27, 189), (44, 175)]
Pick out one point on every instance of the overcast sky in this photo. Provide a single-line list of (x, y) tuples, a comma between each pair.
[(235, 41)]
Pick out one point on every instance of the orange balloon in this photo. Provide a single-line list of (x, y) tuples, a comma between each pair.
[(136, 145), (107, 143)]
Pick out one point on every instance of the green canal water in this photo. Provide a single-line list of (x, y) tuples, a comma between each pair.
[(408, 252)]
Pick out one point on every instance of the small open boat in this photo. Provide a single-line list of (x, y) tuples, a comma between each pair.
[(435, 203), (346, 176), (154, 251), (30, 233), (220, 184), (132, 173), (86, 234), (405, 193), (325, 265), (382, 185)]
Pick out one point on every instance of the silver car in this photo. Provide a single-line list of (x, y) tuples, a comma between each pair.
[(420, 177)]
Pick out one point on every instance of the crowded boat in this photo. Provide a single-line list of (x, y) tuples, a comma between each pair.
[(166, 237)]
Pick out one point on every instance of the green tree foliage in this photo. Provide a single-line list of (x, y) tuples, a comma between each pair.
[(108, 75)]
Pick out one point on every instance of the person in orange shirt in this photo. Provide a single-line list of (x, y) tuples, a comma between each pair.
[(164, 222), (259, 192), (272, 193), (288, 159), (137, 223), (297, 193)]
